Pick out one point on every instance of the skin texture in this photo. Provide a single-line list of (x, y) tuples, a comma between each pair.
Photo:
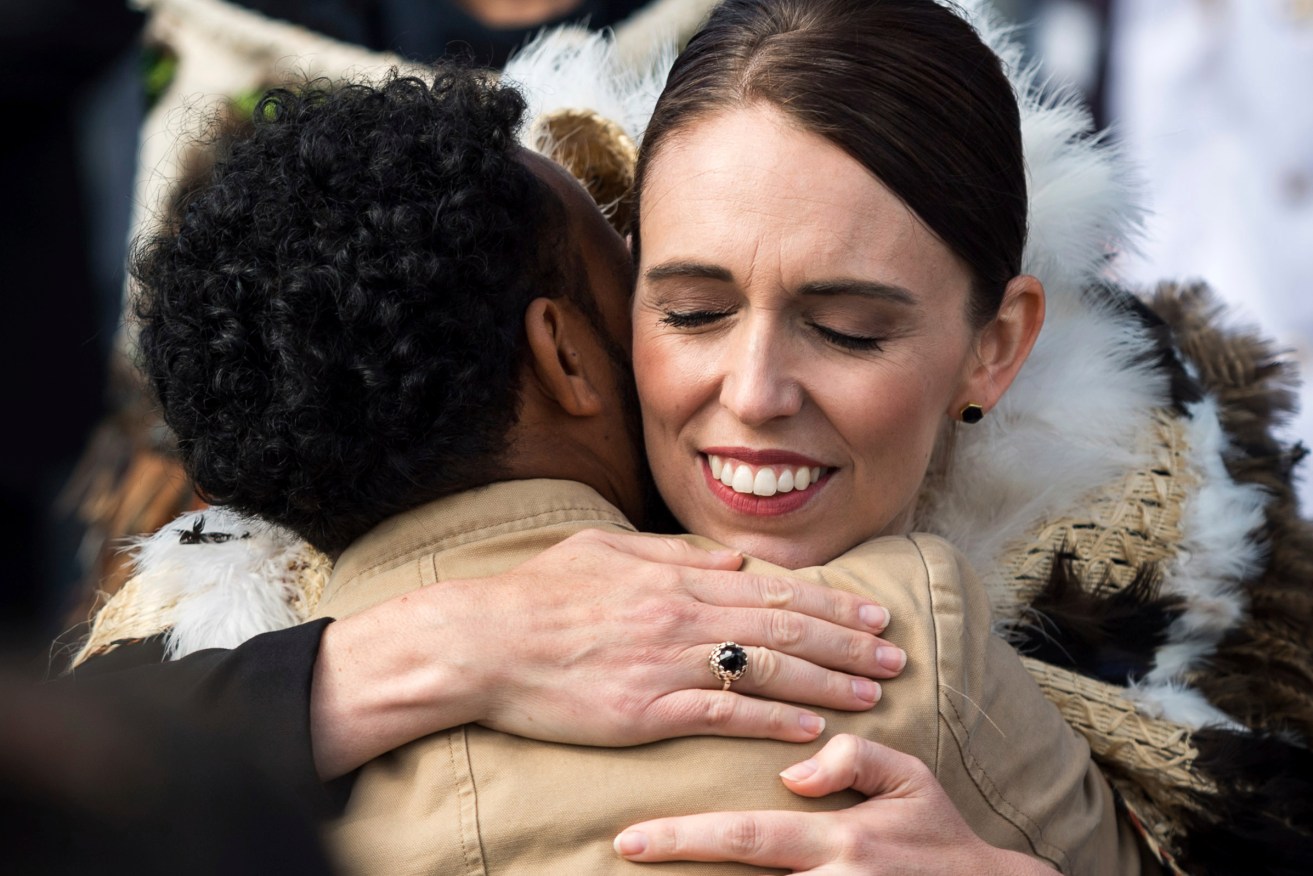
[(592, 663), (517, 13), (787, 302), (577, 416)]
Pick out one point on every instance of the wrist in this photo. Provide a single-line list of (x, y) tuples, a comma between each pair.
[(382, 680)]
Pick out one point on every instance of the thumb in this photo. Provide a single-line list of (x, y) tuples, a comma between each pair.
[(849, 761), (672, 551)]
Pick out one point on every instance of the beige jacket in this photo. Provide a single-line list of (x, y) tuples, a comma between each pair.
[(475, 801)]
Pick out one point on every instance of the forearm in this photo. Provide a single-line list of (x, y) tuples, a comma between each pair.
[(553, 650), (379, 682), (317, 700)]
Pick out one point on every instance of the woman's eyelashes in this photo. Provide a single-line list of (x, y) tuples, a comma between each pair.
[(694, 319), (847, 341), (688, 319)]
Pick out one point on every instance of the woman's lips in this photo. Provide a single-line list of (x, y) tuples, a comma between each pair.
[(763, 483)]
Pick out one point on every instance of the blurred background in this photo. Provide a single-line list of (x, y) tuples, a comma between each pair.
[(1211, 98)]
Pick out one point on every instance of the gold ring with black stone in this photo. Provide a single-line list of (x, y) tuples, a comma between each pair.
[(729, 662)]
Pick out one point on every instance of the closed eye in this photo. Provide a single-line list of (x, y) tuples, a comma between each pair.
[(692, 318), (849, 342)]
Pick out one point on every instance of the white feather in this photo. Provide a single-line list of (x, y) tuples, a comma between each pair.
[(1180, 705), (226, 592), (1216, 554), (1068, 424), (574, 68)]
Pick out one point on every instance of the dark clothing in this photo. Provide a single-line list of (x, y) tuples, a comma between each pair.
[(258, 692), (424, 30), (53, 53)]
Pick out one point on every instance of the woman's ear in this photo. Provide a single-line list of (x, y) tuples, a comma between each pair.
[(557, 360), (1002, 346)]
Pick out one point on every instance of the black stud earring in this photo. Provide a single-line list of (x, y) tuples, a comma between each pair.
[(972, 413)]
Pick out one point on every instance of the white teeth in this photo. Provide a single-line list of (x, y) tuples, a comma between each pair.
[(765, 481), (743, 480)]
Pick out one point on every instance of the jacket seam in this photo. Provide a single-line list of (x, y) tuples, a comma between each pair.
[(984, 785), (462, 536), (934, 633), (471, 851), (989, 790)]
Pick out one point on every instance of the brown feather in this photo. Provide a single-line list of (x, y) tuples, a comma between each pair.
[(1263, 675)]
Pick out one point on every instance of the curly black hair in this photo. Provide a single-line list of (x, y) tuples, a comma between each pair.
[(333, 324)]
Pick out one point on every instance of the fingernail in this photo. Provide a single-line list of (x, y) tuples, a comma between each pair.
[(874, 616), (800, 771), (893, 659), (631, 842), (813, 724), (866, 690), (726, 554)]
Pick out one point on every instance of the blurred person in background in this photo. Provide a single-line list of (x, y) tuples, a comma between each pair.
[(56, 58), (1210, 99), (118, 779), (423, 30)]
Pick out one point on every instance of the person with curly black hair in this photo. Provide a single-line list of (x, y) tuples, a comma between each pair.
[(334, 328)]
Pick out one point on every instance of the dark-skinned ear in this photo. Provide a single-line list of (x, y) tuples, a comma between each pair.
[(555, 331), (1002, 346)]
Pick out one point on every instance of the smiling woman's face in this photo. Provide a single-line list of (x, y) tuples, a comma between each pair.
[(800, 339)]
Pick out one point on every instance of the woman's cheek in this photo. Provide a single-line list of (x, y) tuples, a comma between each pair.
[(666, 371)]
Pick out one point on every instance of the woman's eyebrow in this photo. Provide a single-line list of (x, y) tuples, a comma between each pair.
[(865, 288), (696, 270)]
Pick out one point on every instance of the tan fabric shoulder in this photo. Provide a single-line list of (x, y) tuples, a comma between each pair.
[(1033, 772), (1022, 779)]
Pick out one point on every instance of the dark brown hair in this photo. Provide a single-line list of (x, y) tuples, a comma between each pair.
[(906, 87)]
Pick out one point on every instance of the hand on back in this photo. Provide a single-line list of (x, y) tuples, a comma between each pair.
[(604, 639), (908, 824)]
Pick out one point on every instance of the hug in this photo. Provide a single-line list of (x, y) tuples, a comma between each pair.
[(383, 327)]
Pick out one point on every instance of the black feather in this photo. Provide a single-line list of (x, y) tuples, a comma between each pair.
[(1095, 629), (1260, 820)]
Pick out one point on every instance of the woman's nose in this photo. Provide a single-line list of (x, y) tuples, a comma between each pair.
[(758, 382)]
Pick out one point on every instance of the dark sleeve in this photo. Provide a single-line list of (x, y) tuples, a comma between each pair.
[(258, 693)]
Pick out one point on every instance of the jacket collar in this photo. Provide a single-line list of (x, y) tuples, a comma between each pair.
[(501, 508)]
